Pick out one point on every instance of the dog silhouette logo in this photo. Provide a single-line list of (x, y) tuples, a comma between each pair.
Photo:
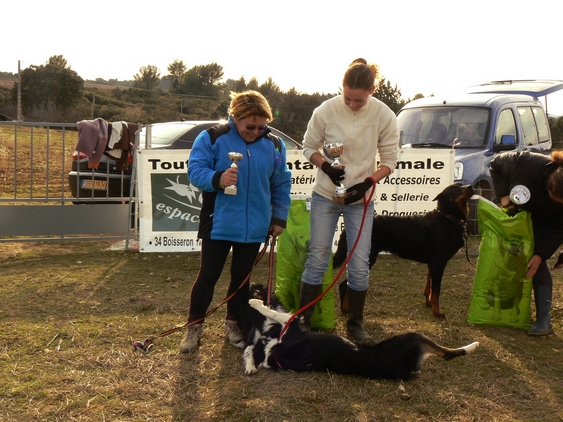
[(176, 203)]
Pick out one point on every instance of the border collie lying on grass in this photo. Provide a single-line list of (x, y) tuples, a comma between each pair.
[(398, 357)]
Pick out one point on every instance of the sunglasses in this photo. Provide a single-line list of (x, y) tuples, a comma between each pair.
[(254, 127)]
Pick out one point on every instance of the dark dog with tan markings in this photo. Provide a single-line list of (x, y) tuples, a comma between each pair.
[(432, 238)]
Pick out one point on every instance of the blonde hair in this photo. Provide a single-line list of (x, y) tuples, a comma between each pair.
[(250, 103), (361, 75), (555, 179)]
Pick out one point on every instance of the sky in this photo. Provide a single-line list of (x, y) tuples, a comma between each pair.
[(430, 47)]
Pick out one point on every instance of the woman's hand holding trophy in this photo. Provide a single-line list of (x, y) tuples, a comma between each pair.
[(235, 157), (336, 170)]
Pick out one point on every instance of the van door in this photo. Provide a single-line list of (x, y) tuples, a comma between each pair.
[(535, 128)]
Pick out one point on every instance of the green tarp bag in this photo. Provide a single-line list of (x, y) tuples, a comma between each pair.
[(292, 250), (501, 293)]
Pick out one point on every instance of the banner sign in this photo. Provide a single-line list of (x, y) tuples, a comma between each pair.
[(169, 205), (421, 174)]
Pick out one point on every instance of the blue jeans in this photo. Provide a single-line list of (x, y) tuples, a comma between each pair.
[(324, 217)]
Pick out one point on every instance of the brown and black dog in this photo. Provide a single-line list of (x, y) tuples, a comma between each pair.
[(432, 238)]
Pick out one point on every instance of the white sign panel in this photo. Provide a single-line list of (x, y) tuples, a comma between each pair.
[(421, 174), (170, 204)]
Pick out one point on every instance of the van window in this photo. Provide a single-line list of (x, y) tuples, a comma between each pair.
[(443, 127), (528, 126), (541, 123), (506, 126)]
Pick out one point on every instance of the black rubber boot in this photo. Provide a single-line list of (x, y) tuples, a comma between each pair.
[(542, 297), (308, 293), (354, 326)]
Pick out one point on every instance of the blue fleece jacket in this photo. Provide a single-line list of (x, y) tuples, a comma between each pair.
[(263, 186)]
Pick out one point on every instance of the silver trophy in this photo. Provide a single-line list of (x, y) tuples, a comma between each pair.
[(235, 157), (334, 151)]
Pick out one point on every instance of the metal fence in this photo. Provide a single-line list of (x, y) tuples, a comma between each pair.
[(36, 200), (38, 204)]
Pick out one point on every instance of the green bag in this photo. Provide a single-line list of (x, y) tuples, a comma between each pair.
[(292, 251), (501, 293)]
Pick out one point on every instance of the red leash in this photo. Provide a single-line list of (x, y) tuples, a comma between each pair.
[(271, 263), (143, 346)]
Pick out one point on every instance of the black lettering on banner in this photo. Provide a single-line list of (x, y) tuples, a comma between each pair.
[(303, 180), (173, 242), (419, 181), (409, 197), (157, 164), (421, 165), (300, 165), (402, 213)]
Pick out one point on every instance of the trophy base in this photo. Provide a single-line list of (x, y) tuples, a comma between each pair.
[(339, 197), (231, 190)]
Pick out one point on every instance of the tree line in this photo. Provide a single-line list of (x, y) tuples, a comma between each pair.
[(54, 92)]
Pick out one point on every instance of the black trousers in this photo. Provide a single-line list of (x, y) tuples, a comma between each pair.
[(543, 276), (214, 254)]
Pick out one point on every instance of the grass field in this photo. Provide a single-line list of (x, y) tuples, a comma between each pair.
[(71, 311)]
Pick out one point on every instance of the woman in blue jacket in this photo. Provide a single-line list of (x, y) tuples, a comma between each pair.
[(242, 219), (544, 179)]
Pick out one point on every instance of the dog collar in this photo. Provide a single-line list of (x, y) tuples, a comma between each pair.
[(455, 220)]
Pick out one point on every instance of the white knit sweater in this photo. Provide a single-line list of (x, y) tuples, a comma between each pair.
[(365, 132)]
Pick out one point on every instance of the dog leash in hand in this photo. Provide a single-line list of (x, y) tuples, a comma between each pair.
[(144, 346), (271, 267)]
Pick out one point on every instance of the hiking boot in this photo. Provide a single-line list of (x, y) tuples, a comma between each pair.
[(233, 333), (190, 342)]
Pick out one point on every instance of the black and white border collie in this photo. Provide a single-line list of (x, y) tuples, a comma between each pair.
[(398, 357)]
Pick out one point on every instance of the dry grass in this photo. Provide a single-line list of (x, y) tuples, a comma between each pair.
[(70, 312), (35, 161)]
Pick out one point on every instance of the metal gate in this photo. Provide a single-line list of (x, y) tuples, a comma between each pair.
[(36, 199)]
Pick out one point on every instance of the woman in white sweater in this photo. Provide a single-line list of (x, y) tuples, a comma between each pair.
[(368, 130)]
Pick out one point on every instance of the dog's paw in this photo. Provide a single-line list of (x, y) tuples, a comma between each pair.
[(250, 371), (255, 303)]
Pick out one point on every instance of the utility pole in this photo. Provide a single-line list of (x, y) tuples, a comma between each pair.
[(20, 117)]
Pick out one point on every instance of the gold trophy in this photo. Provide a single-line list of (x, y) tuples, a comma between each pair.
[(334, 151), (235, 157)]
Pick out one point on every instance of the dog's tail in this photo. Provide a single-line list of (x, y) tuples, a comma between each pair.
[(432, 348), (341, 251)]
